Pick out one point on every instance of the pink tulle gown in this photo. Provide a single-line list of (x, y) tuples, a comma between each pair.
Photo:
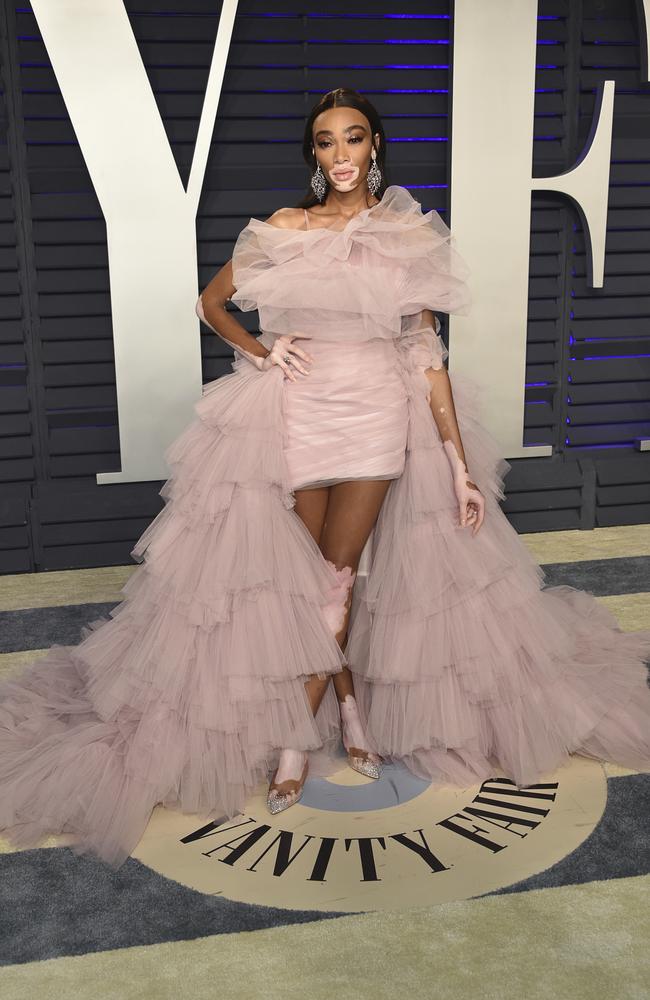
[(462, 660)]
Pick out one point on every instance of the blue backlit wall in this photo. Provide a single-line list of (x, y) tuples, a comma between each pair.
[(588, 356)]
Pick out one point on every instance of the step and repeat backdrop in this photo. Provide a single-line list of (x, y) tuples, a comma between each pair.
[(138, 139)]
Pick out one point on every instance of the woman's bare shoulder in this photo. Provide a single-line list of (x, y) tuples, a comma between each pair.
[(287, 218)]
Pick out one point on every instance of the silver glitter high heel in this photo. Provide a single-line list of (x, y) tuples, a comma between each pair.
[(358, 759), (286, 793)]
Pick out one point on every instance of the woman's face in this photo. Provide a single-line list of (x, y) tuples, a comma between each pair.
[(342, 143)]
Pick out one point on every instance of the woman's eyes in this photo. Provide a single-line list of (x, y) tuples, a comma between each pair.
[(355, 139)]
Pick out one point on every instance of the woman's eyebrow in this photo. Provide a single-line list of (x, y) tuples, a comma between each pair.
[(348, 128)]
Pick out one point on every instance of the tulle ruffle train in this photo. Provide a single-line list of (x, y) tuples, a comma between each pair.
[(185, 695), (463, 659)]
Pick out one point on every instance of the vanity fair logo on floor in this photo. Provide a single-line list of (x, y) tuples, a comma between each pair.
[(356, 844)]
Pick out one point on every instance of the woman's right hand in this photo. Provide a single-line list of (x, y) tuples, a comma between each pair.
[(282, 349)]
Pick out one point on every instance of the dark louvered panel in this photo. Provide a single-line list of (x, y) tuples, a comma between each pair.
[(547, 501), (17, 445), (16, 543), (84, 526), (544, 333), (545, 494), (623, 491)]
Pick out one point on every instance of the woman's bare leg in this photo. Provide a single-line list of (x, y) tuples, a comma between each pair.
[(352, 511), (311, 505), (340, 518)]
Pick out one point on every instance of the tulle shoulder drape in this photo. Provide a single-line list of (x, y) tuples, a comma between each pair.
[(388, 262)]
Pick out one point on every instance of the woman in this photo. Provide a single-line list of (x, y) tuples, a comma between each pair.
[(347, 418), (338, 424)]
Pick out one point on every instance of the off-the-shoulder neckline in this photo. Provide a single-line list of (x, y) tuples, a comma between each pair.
[(392, 188)]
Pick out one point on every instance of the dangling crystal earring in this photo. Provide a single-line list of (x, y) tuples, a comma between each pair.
[(318, 183), (374, 174)]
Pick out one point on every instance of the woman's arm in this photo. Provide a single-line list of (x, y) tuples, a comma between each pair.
[(441, 401), (211, 310)]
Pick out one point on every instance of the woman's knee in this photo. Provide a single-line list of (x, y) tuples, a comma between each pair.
[(352, 513), (340, 596), (342, 561)]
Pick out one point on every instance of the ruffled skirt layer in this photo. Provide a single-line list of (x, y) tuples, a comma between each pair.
[(463, 659), (187, 693)]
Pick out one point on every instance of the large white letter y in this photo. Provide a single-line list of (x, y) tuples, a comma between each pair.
[(150, 218)]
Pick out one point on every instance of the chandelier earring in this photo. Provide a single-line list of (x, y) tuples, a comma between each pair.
[(318, 183), (374, 174)]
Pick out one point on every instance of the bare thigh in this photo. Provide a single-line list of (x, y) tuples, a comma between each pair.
[(340, 517), (352, 511)]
